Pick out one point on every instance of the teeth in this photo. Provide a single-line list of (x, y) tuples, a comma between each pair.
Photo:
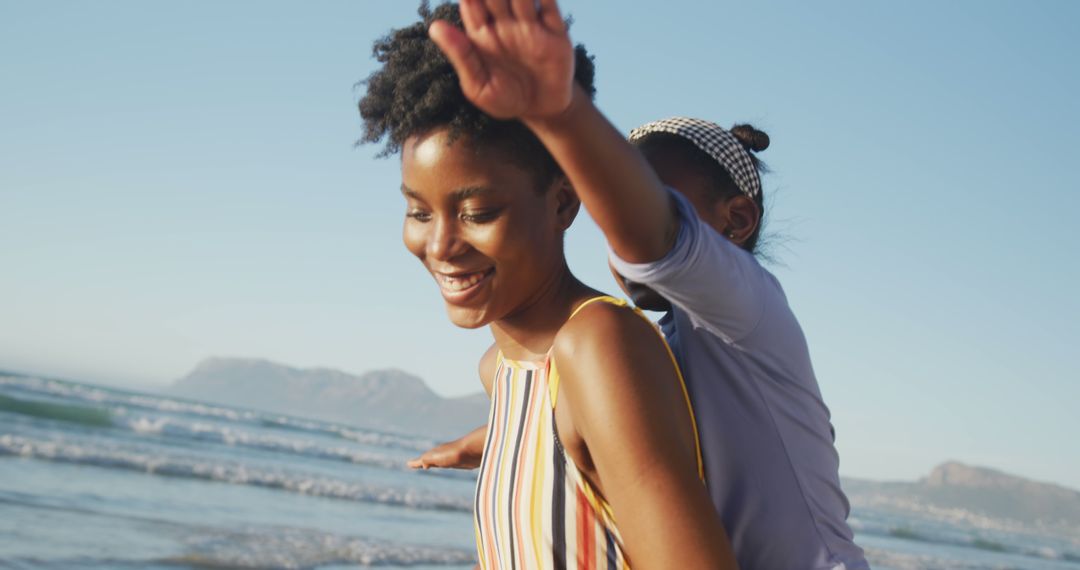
[(460, 283)]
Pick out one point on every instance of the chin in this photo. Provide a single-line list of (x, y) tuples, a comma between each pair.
[(467, 318)]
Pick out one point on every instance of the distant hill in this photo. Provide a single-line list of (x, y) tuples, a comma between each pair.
[(958, 488), (383, 399)]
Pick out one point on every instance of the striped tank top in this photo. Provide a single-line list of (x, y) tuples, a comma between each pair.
[(534, 509)]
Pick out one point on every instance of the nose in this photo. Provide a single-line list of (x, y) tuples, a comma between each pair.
[(444, 241)]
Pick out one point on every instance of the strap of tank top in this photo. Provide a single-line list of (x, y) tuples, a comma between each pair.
[(602, 298), (553, 373)]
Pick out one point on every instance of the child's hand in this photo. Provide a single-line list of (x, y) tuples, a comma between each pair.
[(451, 455), (514, 58), (446, 455)]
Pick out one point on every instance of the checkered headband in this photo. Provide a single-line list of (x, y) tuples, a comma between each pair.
[(716, 142)]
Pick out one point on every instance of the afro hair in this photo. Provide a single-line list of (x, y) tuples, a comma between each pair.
[(416, 90)]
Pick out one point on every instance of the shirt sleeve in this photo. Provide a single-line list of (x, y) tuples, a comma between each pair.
[(719, 285)]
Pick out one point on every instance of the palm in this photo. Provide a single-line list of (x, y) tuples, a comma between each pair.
[(511, 66), (530, 70)]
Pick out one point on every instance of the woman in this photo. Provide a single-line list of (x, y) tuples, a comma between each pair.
[(591, 457), (770, 459)]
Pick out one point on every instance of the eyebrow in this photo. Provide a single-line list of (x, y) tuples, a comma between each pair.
[(459, 195)]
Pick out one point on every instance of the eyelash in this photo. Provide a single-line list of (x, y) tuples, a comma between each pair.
[(480, 217), (472, 218)]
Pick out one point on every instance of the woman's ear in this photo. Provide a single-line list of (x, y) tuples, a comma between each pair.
[(741, 217), (567, 203)]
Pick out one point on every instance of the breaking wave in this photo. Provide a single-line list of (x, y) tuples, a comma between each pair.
[(226, 435), (84, 415), (116, 397), (115, 457)]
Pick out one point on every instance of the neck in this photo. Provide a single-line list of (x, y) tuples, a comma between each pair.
[(528, 333)]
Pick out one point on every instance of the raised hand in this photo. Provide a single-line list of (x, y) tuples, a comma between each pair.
[(514, 57)]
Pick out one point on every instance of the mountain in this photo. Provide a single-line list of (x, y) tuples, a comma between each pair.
[(389, 400), (956, 489)]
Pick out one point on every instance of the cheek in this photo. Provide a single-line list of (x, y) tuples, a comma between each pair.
[(491, 240)]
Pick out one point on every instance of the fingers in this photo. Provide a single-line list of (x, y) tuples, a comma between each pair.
[(417, 463), (499, 9), (474, 15), (462, 54), (521, 10), (524, 10), (550, 16)]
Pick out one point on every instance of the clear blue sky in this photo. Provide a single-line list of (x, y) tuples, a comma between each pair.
[(178, 180)]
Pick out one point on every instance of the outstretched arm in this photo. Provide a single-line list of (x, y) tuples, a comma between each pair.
[(467, 451), (464, 452), (515, 61)]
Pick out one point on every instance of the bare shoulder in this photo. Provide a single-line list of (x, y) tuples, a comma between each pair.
[(612, 346), (600, 326), (622, 394), (488, 365)]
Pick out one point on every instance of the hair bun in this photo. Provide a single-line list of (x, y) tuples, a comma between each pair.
[(750, 137)]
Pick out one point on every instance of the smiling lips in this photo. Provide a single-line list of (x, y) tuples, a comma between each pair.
[(457, 286)]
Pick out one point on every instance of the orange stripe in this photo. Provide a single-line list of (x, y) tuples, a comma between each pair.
[(586, 517)]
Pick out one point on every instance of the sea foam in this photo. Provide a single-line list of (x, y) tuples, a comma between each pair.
[(171, 465)]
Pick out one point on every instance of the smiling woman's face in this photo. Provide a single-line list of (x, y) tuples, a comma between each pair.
[(478, 223)]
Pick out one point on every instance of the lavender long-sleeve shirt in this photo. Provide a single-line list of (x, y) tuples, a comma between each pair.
[(767, 441)]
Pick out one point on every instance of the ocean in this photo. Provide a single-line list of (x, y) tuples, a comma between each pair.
[(103, 478)]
